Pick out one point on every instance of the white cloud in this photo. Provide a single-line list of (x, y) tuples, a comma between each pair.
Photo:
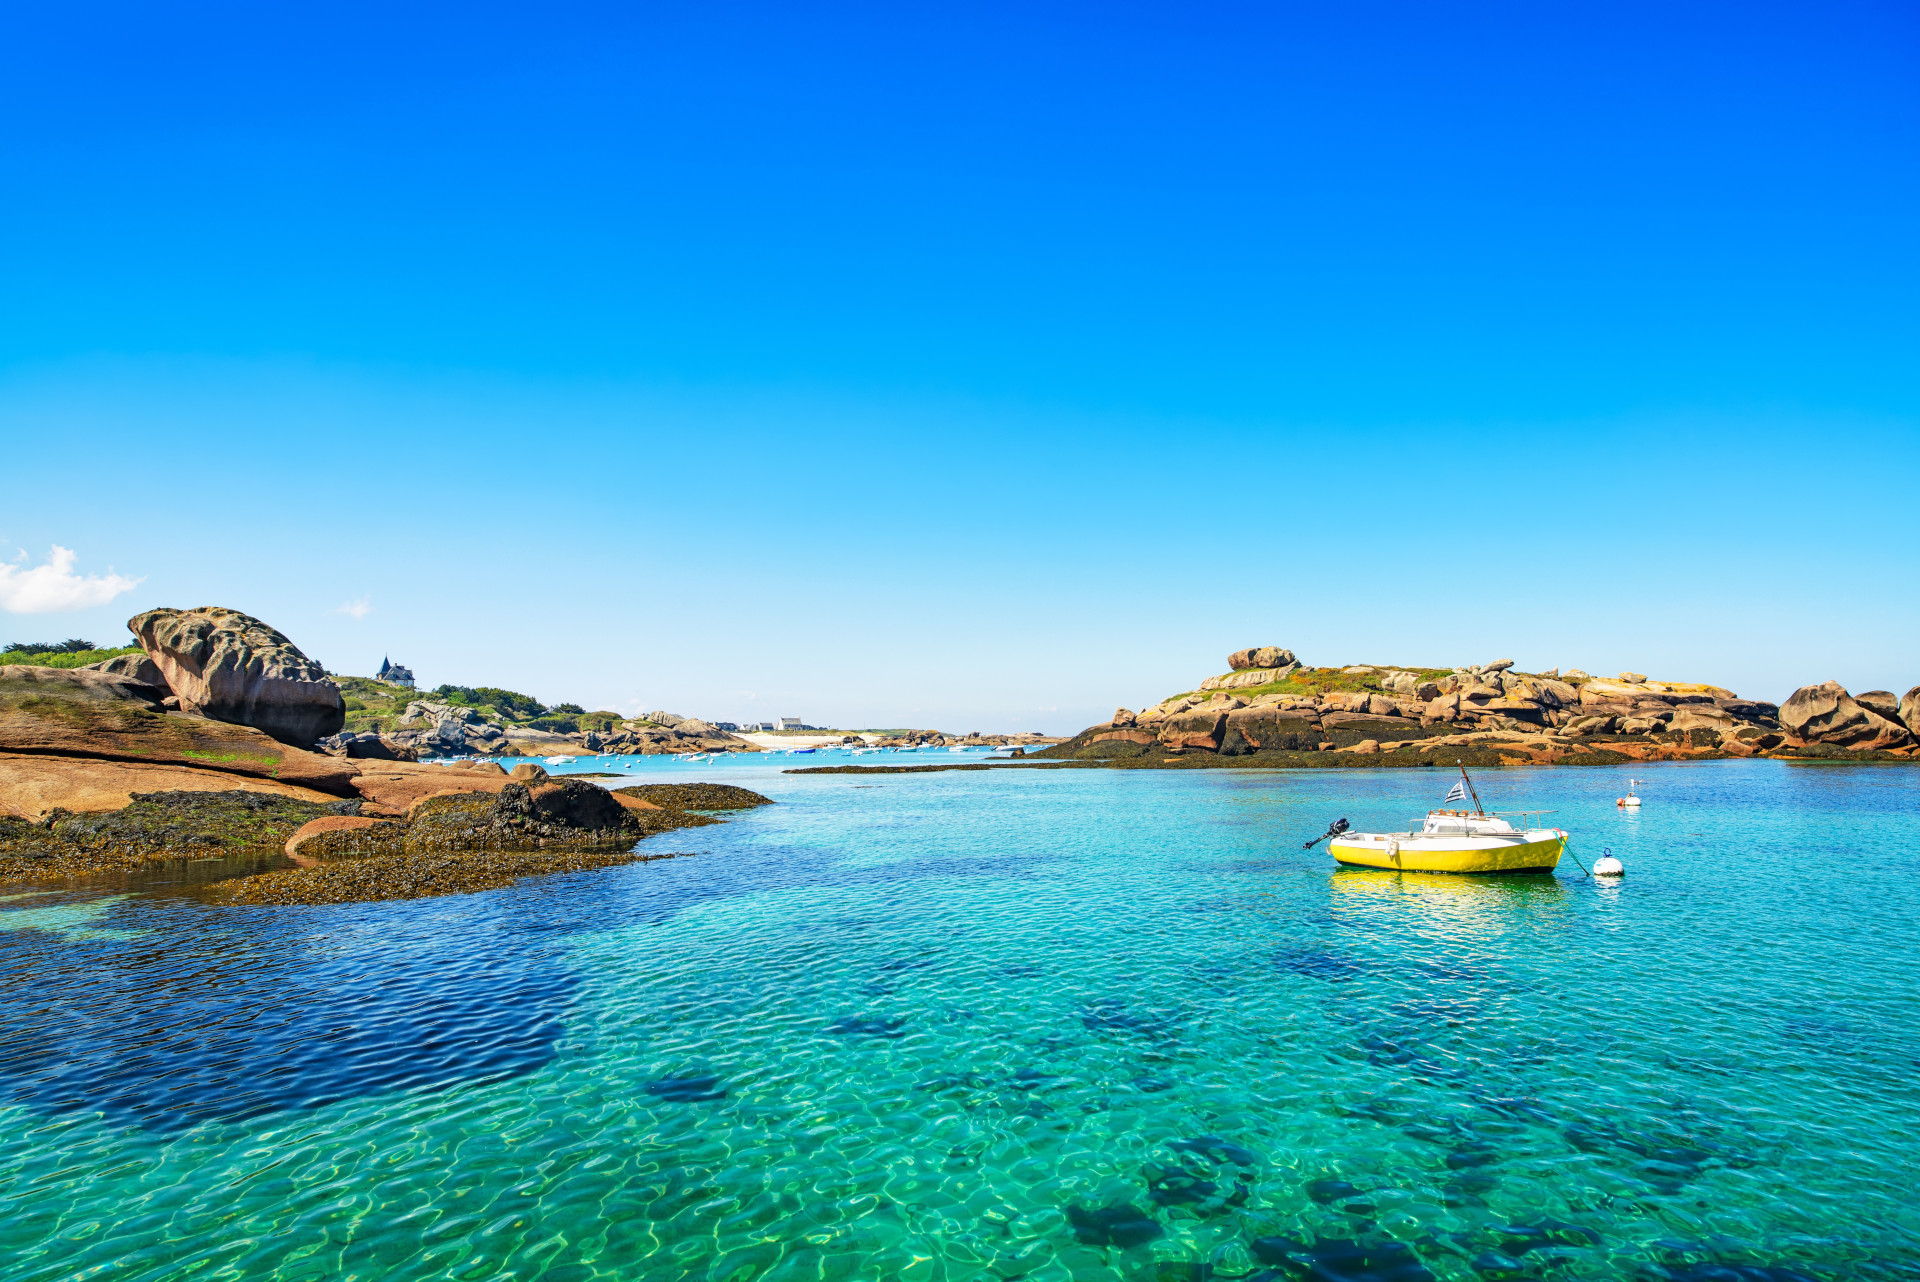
[(358, 608), (54, 588)]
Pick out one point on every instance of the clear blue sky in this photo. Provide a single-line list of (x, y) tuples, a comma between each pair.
[(972, 367)]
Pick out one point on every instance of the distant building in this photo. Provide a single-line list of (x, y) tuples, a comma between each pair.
[(728, 726), (393, 674), (789, 723)]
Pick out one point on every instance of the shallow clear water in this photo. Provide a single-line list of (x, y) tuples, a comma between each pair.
[(937, 1026)]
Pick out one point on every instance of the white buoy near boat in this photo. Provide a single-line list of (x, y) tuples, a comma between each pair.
[(1632, 800), (1607, 866)]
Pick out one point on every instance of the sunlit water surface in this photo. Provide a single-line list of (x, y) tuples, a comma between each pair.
[(1068, 1024)]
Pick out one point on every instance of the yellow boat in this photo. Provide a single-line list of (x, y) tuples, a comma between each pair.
[(1458, 841)]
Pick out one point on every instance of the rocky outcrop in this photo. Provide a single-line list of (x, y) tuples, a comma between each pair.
[(35, 787), (391, 788), (684, 736), (1827, 714), (426, 728), (232, 667), (1910, 711), (134, 667), (369, 746), (1407, 711), (74, 712), (1257, 666)]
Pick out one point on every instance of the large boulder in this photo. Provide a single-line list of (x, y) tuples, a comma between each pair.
[(74, 712), (232, 667), (1261, 656), (1884, 702), (1826, 713), (1202, 727), (1910, 710)]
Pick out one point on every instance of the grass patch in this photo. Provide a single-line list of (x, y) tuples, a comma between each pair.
[(65, 658)]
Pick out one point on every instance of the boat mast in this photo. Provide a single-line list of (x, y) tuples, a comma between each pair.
[(1478, 809)]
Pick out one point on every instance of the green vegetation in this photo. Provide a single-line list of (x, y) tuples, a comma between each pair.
[(1309, 683), (507, 704), (61, 654), (373, 705), (376, 706)]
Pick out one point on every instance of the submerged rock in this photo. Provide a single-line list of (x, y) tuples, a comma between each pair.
[(1117, 1225)]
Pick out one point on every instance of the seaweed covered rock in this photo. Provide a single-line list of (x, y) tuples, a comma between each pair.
[(308, 840), (232, 667), (156, 826), (696, 796), (567, 812), (1272, 729)]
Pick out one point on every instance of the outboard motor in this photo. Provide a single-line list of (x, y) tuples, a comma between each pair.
[(1334, 829)]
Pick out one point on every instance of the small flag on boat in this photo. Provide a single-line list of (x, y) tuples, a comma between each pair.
[(1459, 792)]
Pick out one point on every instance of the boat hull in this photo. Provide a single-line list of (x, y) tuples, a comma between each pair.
[(1542, 855)]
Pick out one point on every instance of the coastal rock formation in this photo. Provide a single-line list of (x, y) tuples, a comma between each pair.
[(315, 828), (36, 787), (1253, 667), (1910, 711), (370, 746), (639, 739), (1826, 713), (1402, 713), (134, 667), (232, 667), (74, 712), (392, 788), (1884, 702)]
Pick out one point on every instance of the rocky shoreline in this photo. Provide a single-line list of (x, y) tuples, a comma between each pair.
[(201, 747), (1270, 709)]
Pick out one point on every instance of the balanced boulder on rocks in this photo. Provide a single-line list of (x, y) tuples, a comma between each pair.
[(232, 667)]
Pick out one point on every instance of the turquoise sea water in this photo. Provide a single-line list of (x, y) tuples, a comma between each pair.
[(1012, 1024)]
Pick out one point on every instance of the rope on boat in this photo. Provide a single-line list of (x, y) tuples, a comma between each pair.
[(1566, 844)]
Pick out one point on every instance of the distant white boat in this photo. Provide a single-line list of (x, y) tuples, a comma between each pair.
[(559, 761)]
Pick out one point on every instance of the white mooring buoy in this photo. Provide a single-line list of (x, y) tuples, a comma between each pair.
[(1607, 866)]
